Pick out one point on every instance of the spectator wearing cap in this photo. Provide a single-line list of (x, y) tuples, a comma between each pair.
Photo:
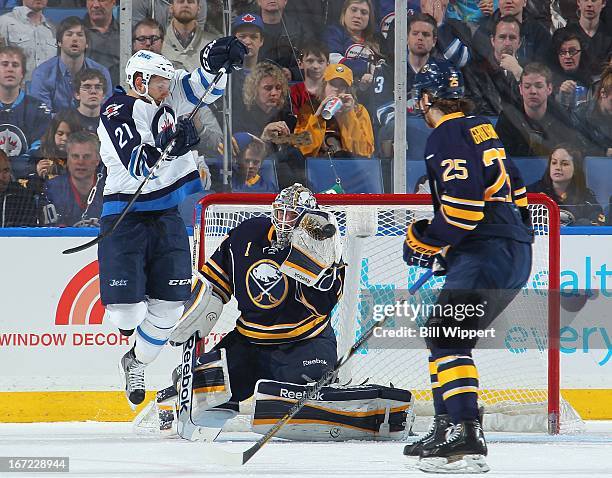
[(52, 82), (248, 28), (27, 28), (184, 37), (247, 165), (348, 131)]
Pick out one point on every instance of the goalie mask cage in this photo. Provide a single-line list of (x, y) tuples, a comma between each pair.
[(520, 391)]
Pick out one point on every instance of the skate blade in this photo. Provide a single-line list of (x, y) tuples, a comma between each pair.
[(464, 464)]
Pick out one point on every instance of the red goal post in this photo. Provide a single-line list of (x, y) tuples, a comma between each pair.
[(216, 214)]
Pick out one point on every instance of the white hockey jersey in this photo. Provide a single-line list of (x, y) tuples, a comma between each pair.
[(127, 131)]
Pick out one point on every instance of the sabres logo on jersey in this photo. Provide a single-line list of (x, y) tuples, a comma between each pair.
[(112, 110), (267, 286)]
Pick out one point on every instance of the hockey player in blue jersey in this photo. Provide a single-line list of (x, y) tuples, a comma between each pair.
[(145, 265), (481, 226)]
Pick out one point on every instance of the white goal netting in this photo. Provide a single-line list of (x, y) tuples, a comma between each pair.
[(519, 385)]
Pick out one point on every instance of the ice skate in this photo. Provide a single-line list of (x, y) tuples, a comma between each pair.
[(436, 433), (133, 371), (463, 451)]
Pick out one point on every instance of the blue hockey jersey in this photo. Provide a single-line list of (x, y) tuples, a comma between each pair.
[(127, 131), (476, 190), (274, 308)]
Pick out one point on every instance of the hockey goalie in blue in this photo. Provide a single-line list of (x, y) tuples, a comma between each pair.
[(286, 274), (480, 238), (145, 265)]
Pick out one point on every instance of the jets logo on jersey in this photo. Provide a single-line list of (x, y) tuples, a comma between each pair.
[(163, 120), (112, 110), (358, 50), (266, 285), (12, 140)]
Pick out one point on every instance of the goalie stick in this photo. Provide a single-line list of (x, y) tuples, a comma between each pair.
[(222, 457), (145, 181)]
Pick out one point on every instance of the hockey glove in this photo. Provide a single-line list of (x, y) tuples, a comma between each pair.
[(185, 137), (416, 252), (225, 51)]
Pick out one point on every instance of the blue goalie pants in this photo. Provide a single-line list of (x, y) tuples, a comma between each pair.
[(296, 362)]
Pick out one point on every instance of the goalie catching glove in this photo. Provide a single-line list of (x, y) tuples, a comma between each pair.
[(200, 315), (315, 247), (421, 254)]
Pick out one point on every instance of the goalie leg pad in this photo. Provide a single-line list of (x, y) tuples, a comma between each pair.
[(211, 385), (200, 315), (337, 413)]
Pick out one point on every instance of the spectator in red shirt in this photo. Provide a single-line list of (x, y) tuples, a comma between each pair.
[(304, 94)]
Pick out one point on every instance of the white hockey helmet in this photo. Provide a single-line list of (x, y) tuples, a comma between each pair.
[(288, 206), (149, 64)]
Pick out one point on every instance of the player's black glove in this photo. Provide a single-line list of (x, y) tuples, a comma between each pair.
[(416, 252), (185, 135), (224, 51)]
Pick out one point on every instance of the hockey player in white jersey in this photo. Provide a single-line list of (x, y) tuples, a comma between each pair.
[(145, 265)]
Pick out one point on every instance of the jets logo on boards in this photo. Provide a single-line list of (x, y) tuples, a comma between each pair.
[(112, 110), (266, 285)]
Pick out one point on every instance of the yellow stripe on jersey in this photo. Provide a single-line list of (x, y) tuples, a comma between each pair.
[(463, 213), (287, 335), (519, 192), (465, 202), (467, 227), (219, 269), (217, 279), (276, 326), (455, 373)]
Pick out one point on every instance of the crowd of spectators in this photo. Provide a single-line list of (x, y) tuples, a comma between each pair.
[(318, 82)]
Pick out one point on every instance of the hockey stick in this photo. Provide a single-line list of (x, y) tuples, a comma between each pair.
[(157, 164), (219, 456)]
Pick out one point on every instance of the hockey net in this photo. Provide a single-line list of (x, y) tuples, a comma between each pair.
[(519, 387)]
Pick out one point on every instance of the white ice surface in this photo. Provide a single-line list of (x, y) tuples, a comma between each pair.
[(112, 450)]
